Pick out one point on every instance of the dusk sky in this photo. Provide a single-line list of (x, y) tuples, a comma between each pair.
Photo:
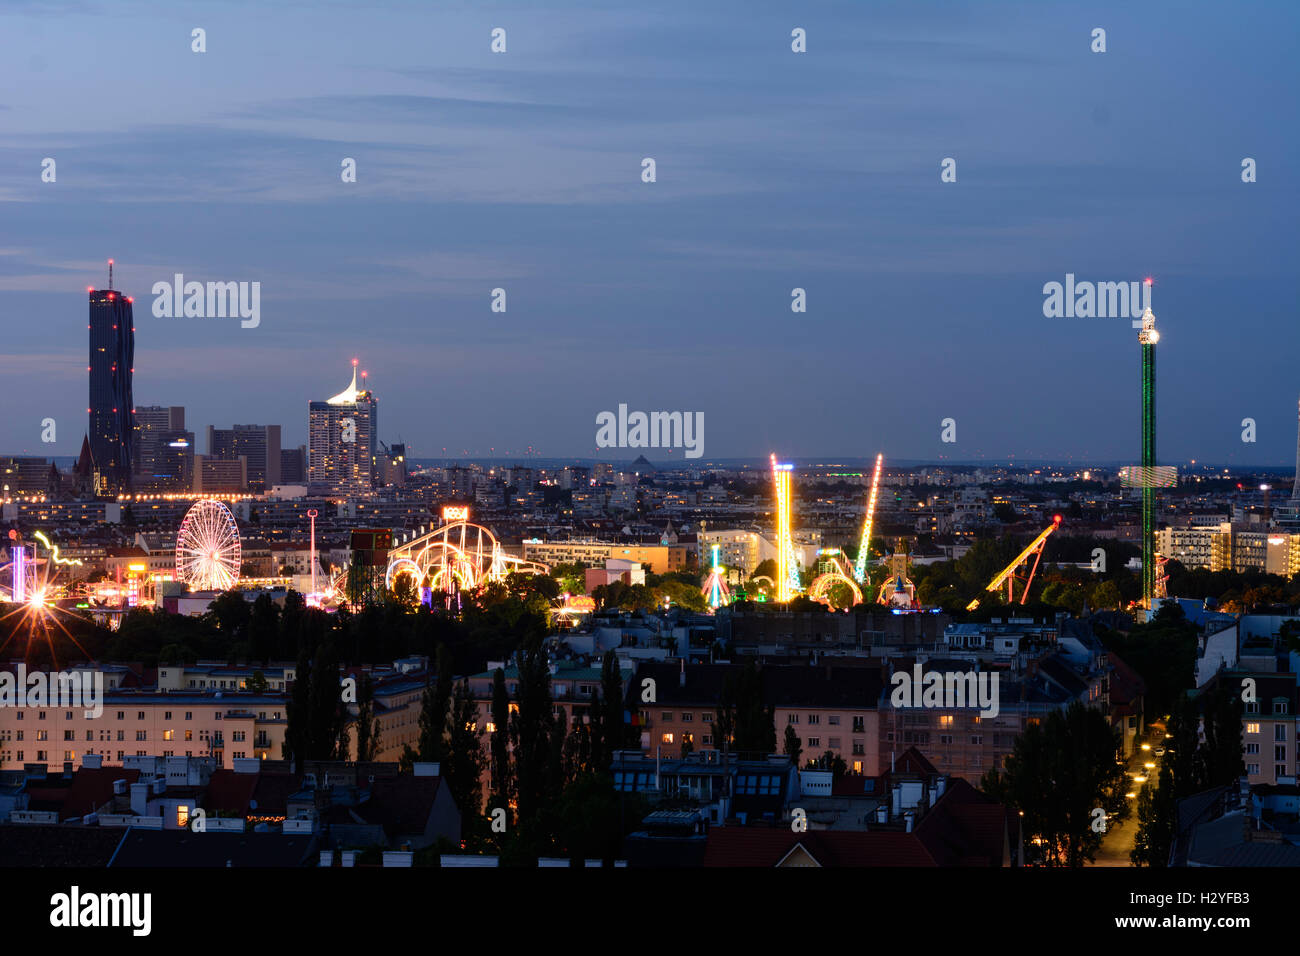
[(775, 170)]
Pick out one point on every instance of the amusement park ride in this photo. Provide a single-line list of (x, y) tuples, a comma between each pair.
[(1007, 575), (458, 555)]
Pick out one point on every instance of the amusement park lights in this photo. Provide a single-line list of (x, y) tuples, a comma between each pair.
[(860, 568), (787, 578)]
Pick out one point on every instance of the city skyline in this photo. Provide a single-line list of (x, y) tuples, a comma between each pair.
[(522, 171)]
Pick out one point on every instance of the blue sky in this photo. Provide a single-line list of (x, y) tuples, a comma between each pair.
[(775, 170)]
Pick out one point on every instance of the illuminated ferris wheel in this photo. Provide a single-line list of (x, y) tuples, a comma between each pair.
[(207, 547)]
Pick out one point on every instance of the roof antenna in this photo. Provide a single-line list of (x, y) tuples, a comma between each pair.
[(110, 273)]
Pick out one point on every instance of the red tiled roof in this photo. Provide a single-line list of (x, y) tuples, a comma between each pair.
[(965, 828), (92, 788), (228, 790)]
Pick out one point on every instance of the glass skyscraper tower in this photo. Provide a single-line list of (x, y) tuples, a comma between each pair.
[(111, 407)]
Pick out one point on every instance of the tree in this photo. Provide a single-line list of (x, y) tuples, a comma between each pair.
[(257, 684), (367, 739), (263, 626), (465, 761), (1060, 771), (743, 721), (501, 776), (793, 745), (608, 730)]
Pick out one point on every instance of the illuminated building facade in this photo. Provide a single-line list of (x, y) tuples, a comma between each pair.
[(342, 442)]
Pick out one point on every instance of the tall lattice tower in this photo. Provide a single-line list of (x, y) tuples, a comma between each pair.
[(1148, 338)]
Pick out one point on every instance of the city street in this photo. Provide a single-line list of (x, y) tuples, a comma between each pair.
[(1119, 838)]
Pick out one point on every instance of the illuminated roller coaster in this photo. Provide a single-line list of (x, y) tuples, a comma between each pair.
[(459, 555)]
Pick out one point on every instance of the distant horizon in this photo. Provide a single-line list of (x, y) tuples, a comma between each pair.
[(761, 462)]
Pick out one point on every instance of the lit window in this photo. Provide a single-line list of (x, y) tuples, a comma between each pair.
[(1252, 728), (668, 738)]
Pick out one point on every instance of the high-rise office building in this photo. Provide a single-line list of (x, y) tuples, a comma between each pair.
[(260, 444), (111, 410), (342, 435), (293, 465), (155, 425)]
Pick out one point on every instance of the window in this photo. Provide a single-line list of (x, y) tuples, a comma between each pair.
[(139, 715), (1252, 769), (833, 720), (41, 715), (67, 735), (217, 715), (189, 715), (90, 735), (666, 716), (857, 766), (687, 718), (1252, 749), (121, 755), (169, 735), (945, 720), (491, 727), (792, 719), (688, 738), (1252, 727), (707, 740), (189, 735), (667, 738), (121, 735), (167, 715), (977, 739), (42, 735), (19, 715), (1279, 707), (814, 718), (857, 725), (814, 741), (121, 715), (706, 718), (945, 738), (141, 735), (1252, 707), (1279, 732), (1279, 770), (1279, 753), (858, 750)]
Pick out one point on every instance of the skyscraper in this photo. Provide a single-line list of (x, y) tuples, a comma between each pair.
[(155, 426), (260, 444), (342, 435), (111, 409)]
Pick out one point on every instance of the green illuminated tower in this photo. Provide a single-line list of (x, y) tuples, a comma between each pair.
[(1148, 337)]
